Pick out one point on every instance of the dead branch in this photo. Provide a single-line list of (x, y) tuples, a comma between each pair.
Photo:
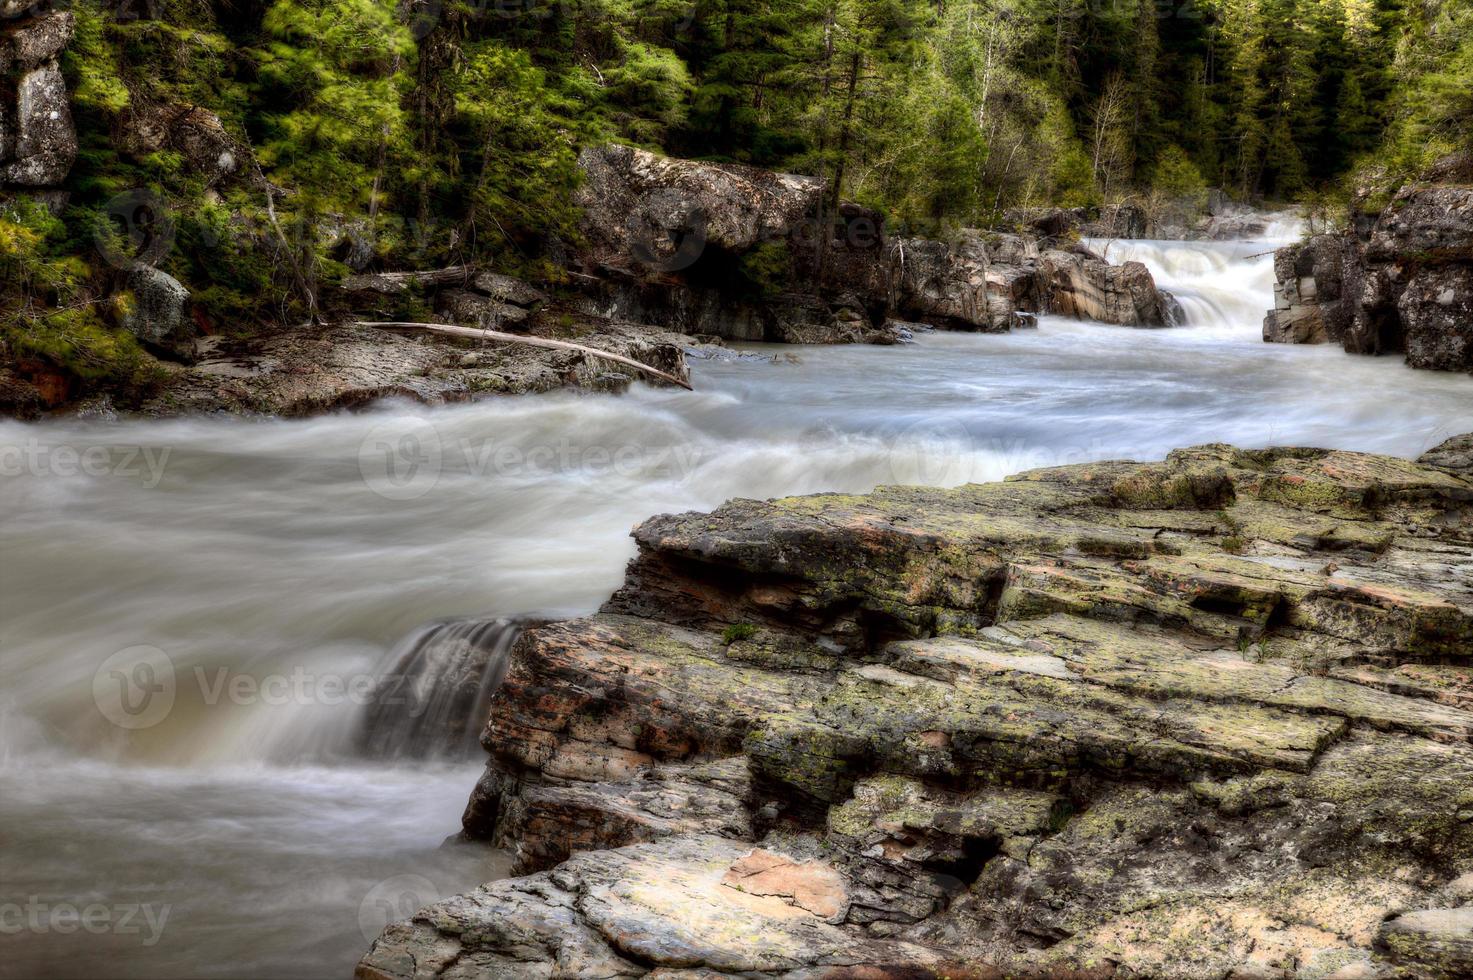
[(512, 338)]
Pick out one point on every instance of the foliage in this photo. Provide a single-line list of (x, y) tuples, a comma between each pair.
[(414, 134)]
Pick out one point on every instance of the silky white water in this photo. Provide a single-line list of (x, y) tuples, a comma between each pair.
[(263, 572)]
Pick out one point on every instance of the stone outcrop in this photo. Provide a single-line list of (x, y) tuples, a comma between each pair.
[(644, 209), (304, 371), (743, 254), (38, 141), (1082, 285), (1203, 717), (1397, 281), (196, 134), (1177, 220)]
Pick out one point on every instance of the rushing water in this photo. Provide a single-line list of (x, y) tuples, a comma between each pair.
[(194, 610)]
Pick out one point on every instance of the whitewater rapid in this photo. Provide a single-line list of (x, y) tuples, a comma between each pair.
[(286, 561)]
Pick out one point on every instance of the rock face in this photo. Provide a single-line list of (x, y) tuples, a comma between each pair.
[(1203, 717), (644, 209), (37, 139), (1398, 281), (743, 254)]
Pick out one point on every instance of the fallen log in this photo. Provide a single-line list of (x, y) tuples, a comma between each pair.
[(390, 283), (512, 338)]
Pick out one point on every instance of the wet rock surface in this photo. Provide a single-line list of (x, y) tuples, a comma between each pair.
[(1203, 717), (1399, 281)]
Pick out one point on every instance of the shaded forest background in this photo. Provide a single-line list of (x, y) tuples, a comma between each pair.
[(440, 131)]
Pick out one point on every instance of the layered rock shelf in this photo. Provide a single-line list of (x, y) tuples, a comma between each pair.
[(1203, 717)]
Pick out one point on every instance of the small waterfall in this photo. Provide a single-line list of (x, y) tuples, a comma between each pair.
[(432, 700), (1227, 285)]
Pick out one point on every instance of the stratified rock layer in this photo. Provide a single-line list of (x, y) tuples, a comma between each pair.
[(1203, 717)]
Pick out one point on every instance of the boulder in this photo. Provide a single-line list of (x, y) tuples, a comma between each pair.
[(656, 213), (45, 142), (155, 308), (1086, 287), (476, 310), (196, 134), (508, 289), (1439, 939), (1309, 292), (14, 8), (30, 43)]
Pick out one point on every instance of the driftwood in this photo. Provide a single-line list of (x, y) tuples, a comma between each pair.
[(390, 283), (512, 338)]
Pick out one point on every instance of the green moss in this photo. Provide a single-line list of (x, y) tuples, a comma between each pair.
[(737, 632), (79, 343)]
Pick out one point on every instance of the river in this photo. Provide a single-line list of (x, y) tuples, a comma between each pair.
[(191, 607)]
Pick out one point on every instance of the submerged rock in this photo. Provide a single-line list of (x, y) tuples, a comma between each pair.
[(1031, 727)]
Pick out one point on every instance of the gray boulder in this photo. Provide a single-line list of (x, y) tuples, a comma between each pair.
[(1308, 307), (45, 141), (474, 310), (157, 311), (646, 211), (28, 44)]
